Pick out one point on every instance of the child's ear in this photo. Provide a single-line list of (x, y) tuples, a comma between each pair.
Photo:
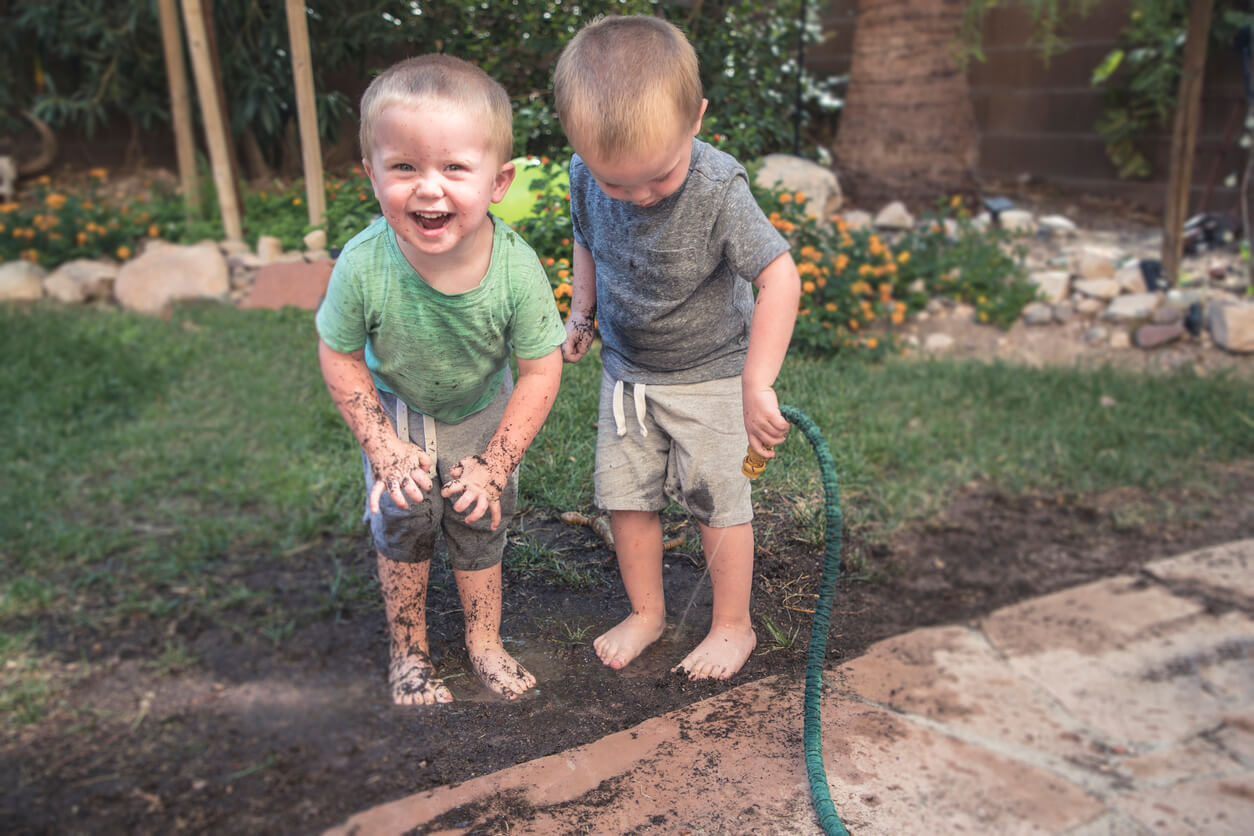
[(500, 184), (696, 129)]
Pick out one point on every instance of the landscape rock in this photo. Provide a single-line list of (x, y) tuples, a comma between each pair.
[(894, 216), (1038, 313), (1057, 225), (1232, 326), (269, 248), (234, 248), (164, 274), (1064, 312), (1120, 340), (1054, 284), (1130, 279), (81, 279), (1132, 306), (317, 239), (1017, 220), (795, 174), (1095, 263), (938, 343), (21, 281), (1105, 289)]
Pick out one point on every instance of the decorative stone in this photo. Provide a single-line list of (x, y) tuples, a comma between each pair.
[(1057, 225), (1054, 284), (856, 218), (1095, 263), (1064, 312), (269, 248), (1168, 314), (233, 248), (317, 239), (1097, 288), (1132, 306), (164, 274), (963, 311), (1130, 279), (1017, 220), (1120, 339), (795, 174), (938, 343), (1038, 313), (1096, 334), (894, 216), (1232, 326), (1088, 306), (21, 281), (81, 279)]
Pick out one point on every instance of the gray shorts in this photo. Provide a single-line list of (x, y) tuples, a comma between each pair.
[(409, 535), (682, 441)]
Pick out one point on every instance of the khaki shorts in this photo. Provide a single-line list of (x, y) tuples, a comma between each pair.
[(679, 441), (408, 535)]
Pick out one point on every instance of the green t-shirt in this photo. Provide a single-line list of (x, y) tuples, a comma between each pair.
[(442, 354)]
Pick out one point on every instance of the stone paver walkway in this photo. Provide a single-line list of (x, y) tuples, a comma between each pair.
[(1121, 707)]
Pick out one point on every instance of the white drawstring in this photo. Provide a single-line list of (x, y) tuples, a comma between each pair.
[(620, 415), (428, 428)]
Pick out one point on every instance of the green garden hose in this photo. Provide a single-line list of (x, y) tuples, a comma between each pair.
[(812, 732)]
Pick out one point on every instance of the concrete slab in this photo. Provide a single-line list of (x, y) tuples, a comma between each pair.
[(1120, 708)]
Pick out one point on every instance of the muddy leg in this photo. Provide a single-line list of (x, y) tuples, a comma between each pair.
[(411, 674), (480, 591)]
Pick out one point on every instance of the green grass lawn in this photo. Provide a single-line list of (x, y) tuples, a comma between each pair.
[(143, 455)]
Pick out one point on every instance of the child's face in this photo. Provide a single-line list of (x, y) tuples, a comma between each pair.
[(434, 176), (648, 175)]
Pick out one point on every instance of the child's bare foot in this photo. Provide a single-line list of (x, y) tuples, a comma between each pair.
[(501, 672), (625, 641), (722, 653), (413, 681)]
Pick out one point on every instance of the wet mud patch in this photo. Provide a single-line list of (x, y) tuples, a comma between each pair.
[(290, 727)]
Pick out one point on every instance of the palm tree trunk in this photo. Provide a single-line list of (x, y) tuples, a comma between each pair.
[(908, 129)]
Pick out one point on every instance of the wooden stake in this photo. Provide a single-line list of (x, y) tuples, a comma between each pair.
[(1184, 137), (180, 106), (307, 112), (216, 134)]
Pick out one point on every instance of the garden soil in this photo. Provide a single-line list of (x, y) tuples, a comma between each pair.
[(294, 731)]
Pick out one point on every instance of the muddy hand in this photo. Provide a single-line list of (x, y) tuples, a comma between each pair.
[(480, 489), (404, 474)]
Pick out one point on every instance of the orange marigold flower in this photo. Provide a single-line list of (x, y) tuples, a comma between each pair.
[(55, 201), (81, 238), (565, 242), (561, 290), (854, 325), (821, 282), (124, 252), (898, 317), (42, 180), (549, 262), (904, 256), (8, 208), (830, 306), (99, 173), (871, 342), (154, 231), (807, 286), (785, 198), (800, 197), (563, 274)]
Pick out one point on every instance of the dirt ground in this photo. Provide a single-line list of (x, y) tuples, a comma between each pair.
[(293, 736)]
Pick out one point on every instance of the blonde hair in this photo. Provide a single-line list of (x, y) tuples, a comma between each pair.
[(624, 84), (442, 78)]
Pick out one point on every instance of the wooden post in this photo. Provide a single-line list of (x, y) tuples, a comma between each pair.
[(1184, 137), (180, 106), (307, 112), (216, 134)]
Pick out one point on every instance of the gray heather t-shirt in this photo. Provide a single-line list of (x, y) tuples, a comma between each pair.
[(674, 294)]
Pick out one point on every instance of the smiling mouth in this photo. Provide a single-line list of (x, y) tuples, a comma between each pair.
[(432, 220)]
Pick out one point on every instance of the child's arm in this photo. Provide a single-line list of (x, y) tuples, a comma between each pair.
[(775, 311), (400, 467), (583, 305), (481, 479)]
